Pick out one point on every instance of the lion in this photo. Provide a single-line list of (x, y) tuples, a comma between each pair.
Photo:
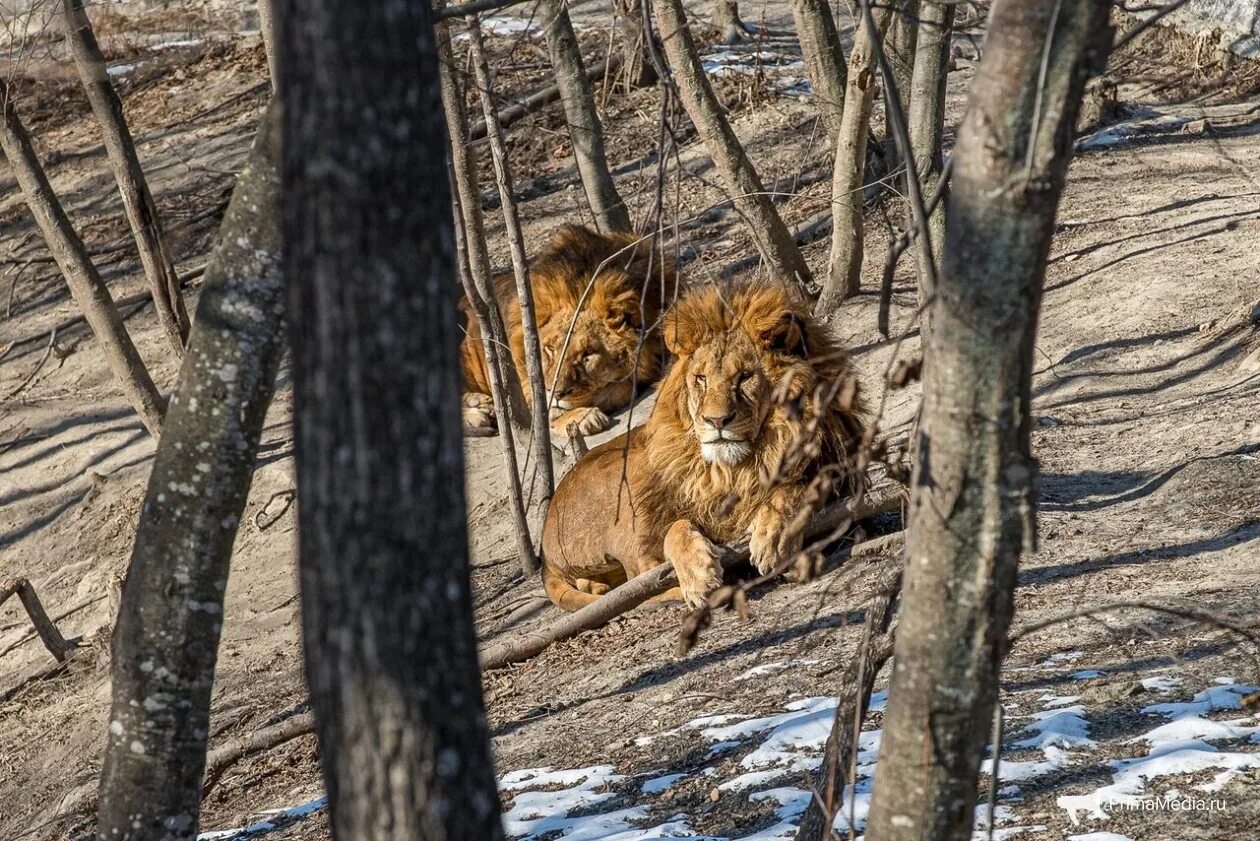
[(756, 404), (598, 299)]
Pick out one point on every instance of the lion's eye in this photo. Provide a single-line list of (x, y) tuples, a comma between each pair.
[(701, 382)]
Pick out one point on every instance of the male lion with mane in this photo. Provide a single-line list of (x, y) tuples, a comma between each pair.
[(758, 401), (597, 301)]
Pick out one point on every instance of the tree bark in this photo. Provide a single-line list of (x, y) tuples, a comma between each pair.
[(383, 547), (539, 417), (86, 286), (585, 131), (901, 46), (731, 29), (636, 70), (926, 115), (824, 58), (141, 210), (844, 275), (479, 290), (773, 238), (167, 635), (972, 509)]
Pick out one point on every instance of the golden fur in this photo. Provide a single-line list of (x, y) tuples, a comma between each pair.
[(757, 402), (597, 301)]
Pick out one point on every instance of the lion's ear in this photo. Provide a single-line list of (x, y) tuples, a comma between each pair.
[(680, 333), (785, 334)]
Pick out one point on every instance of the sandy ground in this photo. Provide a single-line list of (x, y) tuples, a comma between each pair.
[(1147, 434)]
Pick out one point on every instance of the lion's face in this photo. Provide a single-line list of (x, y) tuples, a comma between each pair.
[(600, 355), (728, 397)]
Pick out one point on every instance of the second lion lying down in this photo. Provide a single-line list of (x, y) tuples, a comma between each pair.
[(757, 402)]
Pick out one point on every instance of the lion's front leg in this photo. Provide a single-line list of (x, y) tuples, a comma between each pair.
[(771, 542), (695, 561), (588, 419)]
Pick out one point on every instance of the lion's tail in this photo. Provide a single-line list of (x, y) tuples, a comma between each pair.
[(562, 593)]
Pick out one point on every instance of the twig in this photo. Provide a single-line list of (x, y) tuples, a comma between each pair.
[(656, 581), (229, 753), (52, 338), (289, 495), (56, 644), (903, 242)]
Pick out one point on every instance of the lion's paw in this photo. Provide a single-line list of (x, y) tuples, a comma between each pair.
[(768, 546), (588, 420), (477, 410), (695, 561)]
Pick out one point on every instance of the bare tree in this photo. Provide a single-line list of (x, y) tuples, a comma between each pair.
[(505, 390), (540, 421), (900, 46), (86, 286), (267, 25), (383, 550), (731, 29), (636, 70), (166, 639), (926, 115), (824, 57), (585, 131), (972, 510), (774, 240), (141, 210), (844, 268)]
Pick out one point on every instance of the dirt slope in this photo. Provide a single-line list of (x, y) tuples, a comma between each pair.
[(1148, 438)]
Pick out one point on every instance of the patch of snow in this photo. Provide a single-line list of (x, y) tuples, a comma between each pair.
[(658, 784), (771, 668), (1161, 684), (1086, 674), (1099, 836), (1064, 728), (1062, 657), (1051, 700)]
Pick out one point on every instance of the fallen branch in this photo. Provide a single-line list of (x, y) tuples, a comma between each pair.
[(56, 644), (30, 635), (515, 112), (232, 751), (661, 578)]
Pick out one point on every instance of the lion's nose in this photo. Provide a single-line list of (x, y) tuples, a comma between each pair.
[(719, 421)]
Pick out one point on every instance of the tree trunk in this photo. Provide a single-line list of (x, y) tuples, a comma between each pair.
[(899, 51), (86, 286), (973, 497), (141, 210), (844, 273), (824, 57), (539, 417), (585, 131), (774, 240), (167, 635), (926, 115), (383, 549), (855, 699), (636, 70), (479, 290), (731, 29), (267, 25)]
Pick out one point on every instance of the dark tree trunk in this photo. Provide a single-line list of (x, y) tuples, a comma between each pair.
[(383, 548), (973, 503), (775, 242), (824, 57), (585, 131), (926, 114), (844, 270), (636, 70), (731, 29), (86, 286), (141, 210), (167, 635)]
